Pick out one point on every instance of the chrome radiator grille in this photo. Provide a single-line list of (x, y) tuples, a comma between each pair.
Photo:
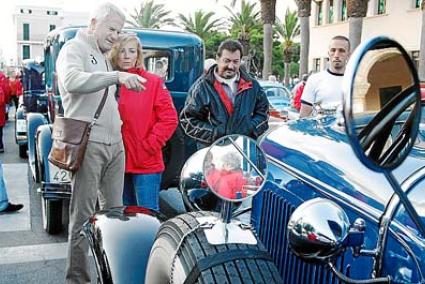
[(273, 219)]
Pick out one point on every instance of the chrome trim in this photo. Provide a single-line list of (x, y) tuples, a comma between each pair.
[(389, 212), (347, 200)]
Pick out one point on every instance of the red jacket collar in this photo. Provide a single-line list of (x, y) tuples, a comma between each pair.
[(136, 70)]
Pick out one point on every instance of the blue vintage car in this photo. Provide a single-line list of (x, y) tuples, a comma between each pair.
[(342, 197), (181, 57), (34, 99)]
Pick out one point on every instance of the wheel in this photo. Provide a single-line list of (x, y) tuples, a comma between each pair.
[(23, 151), (195, 248), (52, 215)]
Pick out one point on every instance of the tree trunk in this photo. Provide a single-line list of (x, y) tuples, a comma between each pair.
[(304, 45), (355, 31), (304, 12), (268, 16), (356, 11), (268, 47), (286, 81), (421, 69)]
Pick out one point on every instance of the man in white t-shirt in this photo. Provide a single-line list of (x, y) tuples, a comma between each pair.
[(324, 89)]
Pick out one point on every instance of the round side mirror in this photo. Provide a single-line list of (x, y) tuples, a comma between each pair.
[(382, 103), (195, 191), (235, 168), (317, 230)]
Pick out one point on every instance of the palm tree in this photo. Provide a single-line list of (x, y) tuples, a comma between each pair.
[(288, 30), (356, 11), (422, 47), (304, 12), (268, 16), (243, 23), (201, 23), (150, 15)]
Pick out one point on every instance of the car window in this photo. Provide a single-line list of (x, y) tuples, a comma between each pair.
[(276, 92), (417, 197), (158, 62)]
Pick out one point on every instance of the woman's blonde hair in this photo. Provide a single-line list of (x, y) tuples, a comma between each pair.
[(116, 48)]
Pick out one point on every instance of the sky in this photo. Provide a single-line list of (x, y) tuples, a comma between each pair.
[(186, 7)]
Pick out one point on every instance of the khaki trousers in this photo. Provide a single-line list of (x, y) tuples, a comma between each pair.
[(101, 175)]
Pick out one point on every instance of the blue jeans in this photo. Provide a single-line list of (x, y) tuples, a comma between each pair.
[(4, 201), (142, 190)]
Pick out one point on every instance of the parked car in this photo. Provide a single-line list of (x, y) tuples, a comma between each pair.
[(183, 54), (342, 198), (34, 99), (279, 98)]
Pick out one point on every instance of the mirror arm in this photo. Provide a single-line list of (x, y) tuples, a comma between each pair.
[(346, 279), (247, 159), (405, 201)]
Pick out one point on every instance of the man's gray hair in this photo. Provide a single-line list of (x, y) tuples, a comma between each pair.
[(233, 159), (105, 10)]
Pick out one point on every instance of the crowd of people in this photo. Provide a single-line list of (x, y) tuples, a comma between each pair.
[(10, 90), (123, 163)]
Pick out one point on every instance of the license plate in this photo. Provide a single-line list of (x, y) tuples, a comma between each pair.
[(58, 175), (21, 125)]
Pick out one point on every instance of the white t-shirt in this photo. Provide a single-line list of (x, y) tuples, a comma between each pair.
[(323, 88)]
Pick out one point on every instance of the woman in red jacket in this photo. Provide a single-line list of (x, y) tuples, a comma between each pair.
[(149, 119), (4, 99)]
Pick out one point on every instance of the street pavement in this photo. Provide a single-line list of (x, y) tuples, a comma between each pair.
[(27, 253)]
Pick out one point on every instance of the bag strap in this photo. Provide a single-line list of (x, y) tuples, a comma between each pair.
[(100, 107), (102, 102)]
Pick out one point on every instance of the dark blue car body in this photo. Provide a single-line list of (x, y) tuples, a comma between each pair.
[(313, 158)]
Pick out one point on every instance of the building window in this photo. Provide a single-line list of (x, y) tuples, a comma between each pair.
[(26, 52), (344, 10), (26, 28), (418, 3), (52, 13), (316, 64), (415, 58), (52, 27), (319, 19), (381, 7), (26, 11), (326, 61), (331, 11)]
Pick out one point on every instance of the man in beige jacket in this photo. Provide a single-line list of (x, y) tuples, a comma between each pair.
[(83, 74)]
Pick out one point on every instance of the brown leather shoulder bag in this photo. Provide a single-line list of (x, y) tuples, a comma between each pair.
[(70, 137)]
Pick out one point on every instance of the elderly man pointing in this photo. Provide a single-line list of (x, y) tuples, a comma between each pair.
[(84, 72)]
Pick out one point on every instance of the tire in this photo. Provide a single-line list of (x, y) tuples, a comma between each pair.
[(52, 215), (196, 247), (23, 151)]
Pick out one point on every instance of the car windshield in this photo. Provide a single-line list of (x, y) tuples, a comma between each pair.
[(274, 91)]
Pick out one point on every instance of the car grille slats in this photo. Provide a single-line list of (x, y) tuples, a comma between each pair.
[(272, 231)]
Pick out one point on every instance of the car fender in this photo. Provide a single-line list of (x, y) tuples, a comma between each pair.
[(43, 145), (121, 239), (34, 120)]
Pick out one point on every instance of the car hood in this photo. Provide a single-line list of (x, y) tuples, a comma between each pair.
[(318, 149)]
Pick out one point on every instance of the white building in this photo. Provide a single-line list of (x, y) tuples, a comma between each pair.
[(33, 23), (399, 19)]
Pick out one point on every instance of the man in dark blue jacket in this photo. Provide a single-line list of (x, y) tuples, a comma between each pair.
[(226, 100)]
